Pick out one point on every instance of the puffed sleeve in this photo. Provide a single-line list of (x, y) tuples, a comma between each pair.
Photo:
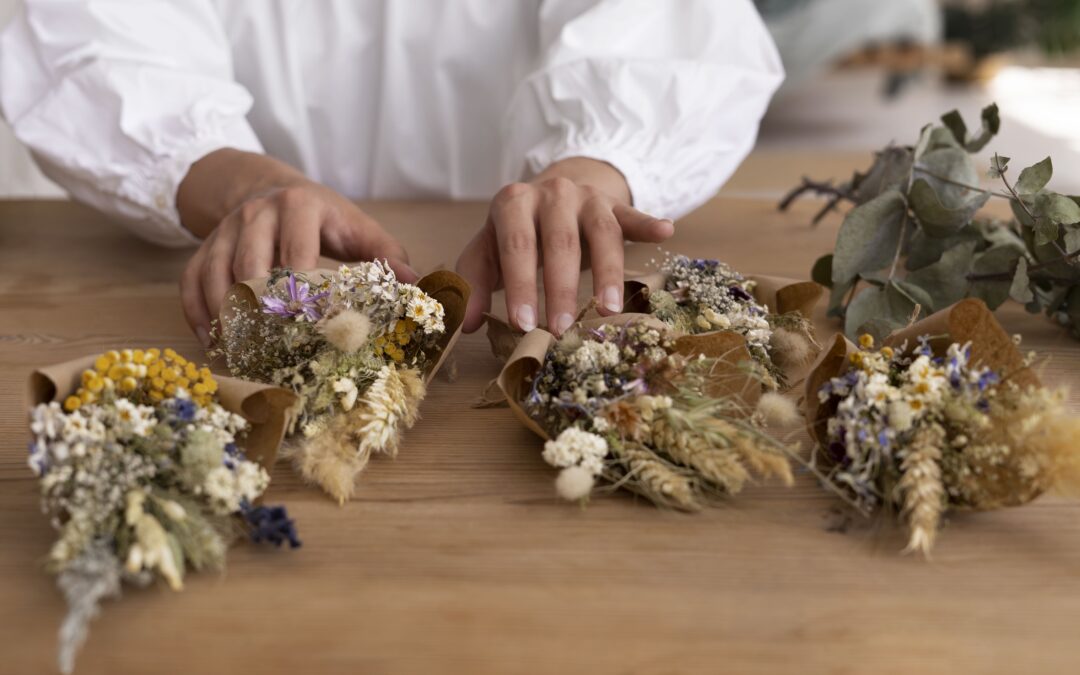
[(670, 93), (117, 99)]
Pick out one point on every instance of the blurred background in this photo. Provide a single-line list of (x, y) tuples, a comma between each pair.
[(864, 73)]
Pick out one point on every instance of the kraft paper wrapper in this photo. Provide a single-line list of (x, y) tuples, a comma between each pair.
[(445, 286), (265, 407), (528, 357), (967, 321)]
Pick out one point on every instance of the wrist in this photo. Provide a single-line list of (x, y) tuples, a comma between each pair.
[(591, 172), (218, 183)]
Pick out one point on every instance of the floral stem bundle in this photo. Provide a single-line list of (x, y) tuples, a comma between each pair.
[(668, 418), (146, 470), (355, 345), (946, 414)]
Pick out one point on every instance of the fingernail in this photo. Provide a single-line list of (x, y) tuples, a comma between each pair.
[(612, 301), (526, 317), (204, 337), (562, 322)]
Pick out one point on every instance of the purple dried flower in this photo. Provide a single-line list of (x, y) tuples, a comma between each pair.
[(301, 302)]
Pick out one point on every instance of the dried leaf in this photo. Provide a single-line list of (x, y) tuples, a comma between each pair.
[(1020, 289), (878, 311), (868, 237), (1035, 177), (995, 260), (822, 271), (937, 219), (1057, 208), (946, 280), (889, 172)]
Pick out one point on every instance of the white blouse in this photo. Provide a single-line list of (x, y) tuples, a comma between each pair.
[(380, 99)]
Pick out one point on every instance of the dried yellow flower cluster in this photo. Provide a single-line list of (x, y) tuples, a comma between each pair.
[(392, 343), (157, 374)]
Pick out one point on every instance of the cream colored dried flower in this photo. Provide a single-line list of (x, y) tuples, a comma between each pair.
[(347, 330), (777, 410), (574, 483), (922, 488)]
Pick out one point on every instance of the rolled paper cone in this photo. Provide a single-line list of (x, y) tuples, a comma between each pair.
[(970, 320), (451, 290), (831, 362), (523, 364), (265, 407)]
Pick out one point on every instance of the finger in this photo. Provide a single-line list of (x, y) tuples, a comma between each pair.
[(216, 272), (638, 226), (605, 239), (255, 246), (300, 226), (191, 298), (357, 236), (390, 250), (561, 242), (479, 265), (513, 221)]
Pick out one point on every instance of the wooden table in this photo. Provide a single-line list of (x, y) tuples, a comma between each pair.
[(457, 557)]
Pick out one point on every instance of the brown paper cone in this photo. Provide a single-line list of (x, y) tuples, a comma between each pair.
[(448, 288), (264, 407)]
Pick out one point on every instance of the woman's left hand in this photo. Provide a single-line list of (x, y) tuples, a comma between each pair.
[(576, 204)]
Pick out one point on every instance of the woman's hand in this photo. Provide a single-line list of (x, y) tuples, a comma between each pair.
[(255, 212), (576, 204)]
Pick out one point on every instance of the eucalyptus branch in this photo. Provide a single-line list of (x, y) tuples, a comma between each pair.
[(1001, 174), (837, 195)]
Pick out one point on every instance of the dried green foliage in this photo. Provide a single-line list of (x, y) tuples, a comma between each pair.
[(916, 240)]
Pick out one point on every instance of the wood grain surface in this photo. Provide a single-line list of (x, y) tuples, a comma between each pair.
[(457, 558)]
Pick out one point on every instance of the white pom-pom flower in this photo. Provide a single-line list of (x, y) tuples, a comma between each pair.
[(347, 330), (574, 483), (777, 410)]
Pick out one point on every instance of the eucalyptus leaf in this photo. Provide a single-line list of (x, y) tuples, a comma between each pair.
[(1046, 231), (1020, 289), (837, 294), (878, 311), (946, 280), (950, 171), (1072, 239), (822, 271), (936, 219), (998, 164), (889, 171), (914, 293), (869, 236), (934, 138), (998, 261), (991, 124), (1035, 177), (925, 250), (1058, 208), (954, 122)]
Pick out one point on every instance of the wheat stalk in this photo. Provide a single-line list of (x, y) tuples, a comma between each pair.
[(922, 490), (649, 475)]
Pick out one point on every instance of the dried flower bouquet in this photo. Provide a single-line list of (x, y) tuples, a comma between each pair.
[(698, 295), (146, 470), (946, 414), (356, 345), (667, 417)]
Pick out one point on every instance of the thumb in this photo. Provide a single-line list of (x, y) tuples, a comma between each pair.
[(638, 226)]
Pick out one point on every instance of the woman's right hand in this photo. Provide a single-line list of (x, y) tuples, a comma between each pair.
[(254, 213)]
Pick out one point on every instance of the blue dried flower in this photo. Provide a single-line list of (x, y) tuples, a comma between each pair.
[(184, 409), (271, 524)]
